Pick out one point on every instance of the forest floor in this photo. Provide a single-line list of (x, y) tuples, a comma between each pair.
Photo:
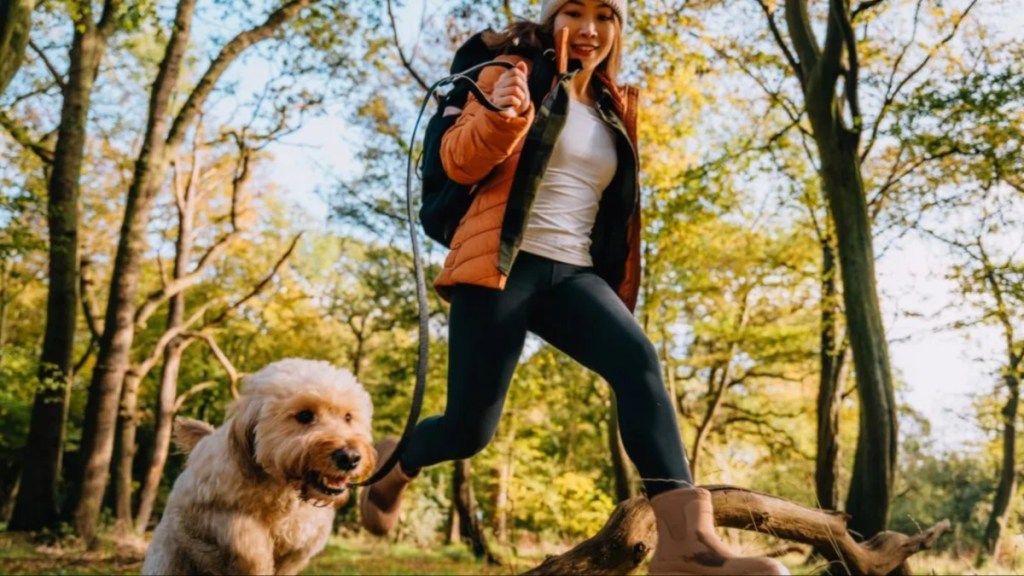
[(33, 554)]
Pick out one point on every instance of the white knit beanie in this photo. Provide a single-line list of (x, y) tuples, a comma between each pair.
[(548, 9)]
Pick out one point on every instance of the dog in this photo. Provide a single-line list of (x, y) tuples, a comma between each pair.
[(258, 494)]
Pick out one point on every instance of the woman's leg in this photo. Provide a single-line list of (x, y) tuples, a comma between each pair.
[(486, 333), (582, 316), (487, 330)]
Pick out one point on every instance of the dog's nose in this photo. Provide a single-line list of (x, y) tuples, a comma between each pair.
[(346, 458)]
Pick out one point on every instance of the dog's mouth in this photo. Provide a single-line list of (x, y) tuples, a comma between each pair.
[(328, 484)]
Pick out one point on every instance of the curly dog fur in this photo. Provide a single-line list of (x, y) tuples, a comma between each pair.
[(259, 493)]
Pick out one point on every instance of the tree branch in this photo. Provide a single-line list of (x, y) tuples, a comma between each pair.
[(806, 46), (108, 20), (232, 373), (401, 54), (259, 287), (49, 65), (630, 534), (864, 7), (770, 16), (890, 97), (188, 394), (22, 137), (177, 285), (89, 309), (186, 117), (853, 64), (830, 62)]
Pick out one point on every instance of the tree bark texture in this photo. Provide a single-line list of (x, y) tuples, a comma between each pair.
[(38, 501), (166, 398), (832, 356), (465, 504), (15, 26), (621, 465), (1008, 472), (630, 534)]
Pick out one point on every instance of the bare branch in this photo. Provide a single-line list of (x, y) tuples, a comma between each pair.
[(864, 7), (188, 394), (57, 77), (108, 20), (186, 117), (141, 369), (630, 534), (259, 287), (22, 137), (233, 375), (770, 16), (93, 345), (890, 96), (401, 54), (177, 285)]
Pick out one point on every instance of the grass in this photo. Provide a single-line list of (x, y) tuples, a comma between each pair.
[(33, 554)]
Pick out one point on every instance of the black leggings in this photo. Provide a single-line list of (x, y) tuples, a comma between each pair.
[(577, 312)]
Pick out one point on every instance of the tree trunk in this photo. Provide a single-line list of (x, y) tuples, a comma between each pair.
[(465, 505), (454, 535), (127, 423), (875, 460), (5, 279), (112, 363), (716, 387), (819, 68), (167, 394), (15, 25), (501, 499), (150, 172), (1008, 473), (166, 398), (832, 355), (10, 484), (624, 486), (38, 500)]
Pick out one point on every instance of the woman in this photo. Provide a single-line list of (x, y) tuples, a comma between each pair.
[(551, 245)]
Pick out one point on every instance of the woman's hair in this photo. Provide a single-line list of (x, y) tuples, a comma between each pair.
[(525, 36)]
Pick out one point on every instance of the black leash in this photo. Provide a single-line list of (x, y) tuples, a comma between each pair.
[(421, 286)]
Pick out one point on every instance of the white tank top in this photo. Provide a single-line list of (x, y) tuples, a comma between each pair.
[(582, 165)]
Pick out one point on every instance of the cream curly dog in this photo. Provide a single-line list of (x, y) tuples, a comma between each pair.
[(258, 494)]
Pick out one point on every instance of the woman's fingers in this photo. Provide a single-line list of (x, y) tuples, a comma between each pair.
[(512, 89)]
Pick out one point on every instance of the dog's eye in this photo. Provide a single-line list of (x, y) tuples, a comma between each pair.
[(348, 417), (305, 417)]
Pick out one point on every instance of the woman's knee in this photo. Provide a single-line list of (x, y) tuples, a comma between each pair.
[(637, 356), (468, 438)]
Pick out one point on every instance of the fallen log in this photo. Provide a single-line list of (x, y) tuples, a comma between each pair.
[(629, 536)]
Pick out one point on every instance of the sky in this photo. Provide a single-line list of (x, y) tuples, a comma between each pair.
[(939, 368)]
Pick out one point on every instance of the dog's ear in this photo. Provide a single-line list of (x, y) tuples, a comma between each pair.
[(188, 433), (244, 414)]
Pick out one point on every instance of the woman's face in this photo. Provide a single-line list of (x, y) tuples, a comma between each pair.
[(592, 30)]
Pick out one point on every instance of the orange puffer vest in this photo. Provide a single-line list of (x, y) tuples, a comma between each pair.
[(484, 149)]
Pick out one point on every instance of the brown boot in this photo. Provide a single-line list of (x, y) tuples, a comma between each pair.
[(380, 503), (687, 543)]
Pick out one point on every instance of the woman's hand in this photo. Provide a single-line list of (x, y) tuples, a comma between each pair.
[(513, 90)]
